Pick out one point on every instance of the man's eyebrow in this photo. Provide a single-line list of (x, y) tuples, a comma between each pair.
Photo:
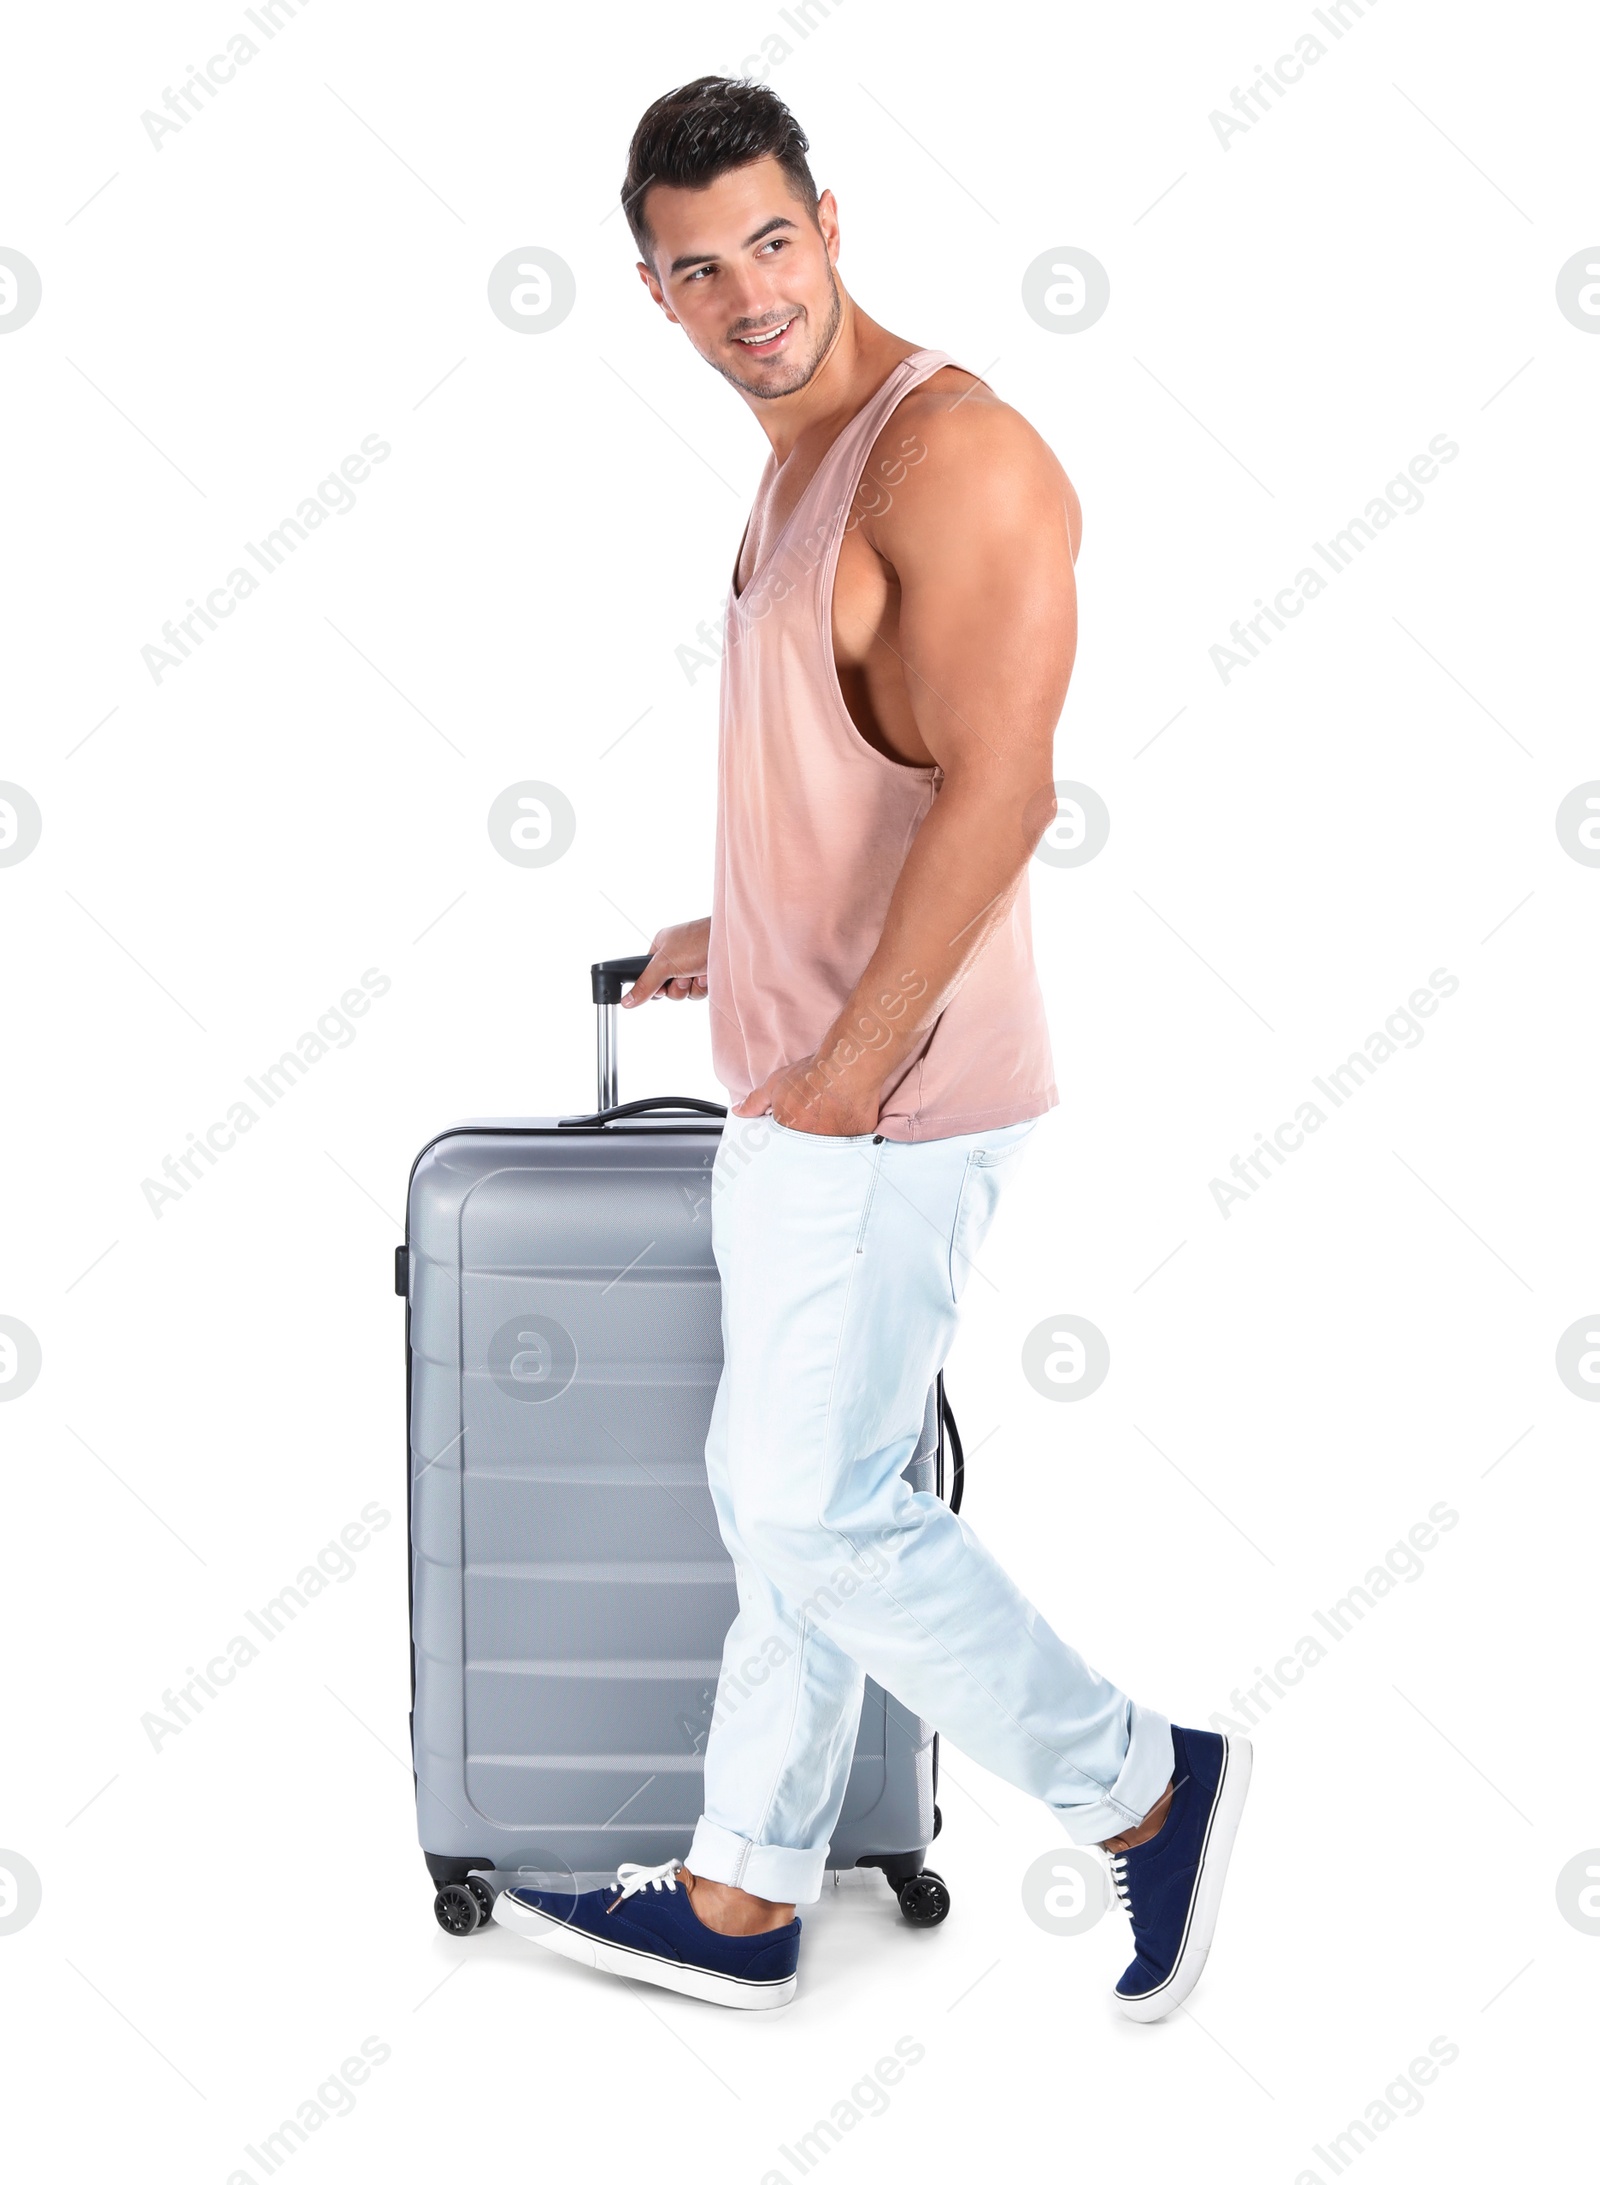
[(705, 257)]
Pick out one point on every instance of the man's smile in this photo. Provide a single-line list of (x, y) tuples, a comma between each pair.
[(765, 341)]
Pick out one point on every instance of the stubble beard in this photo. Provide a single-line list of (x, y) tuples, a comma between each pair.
[(801, 374)]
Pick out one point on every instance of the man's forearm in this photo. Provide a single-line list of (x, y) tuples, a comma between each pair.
[(956, 885)]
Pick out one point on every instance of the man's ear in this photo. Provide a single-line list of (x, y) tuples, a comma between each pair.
[(828, 222), (654, 286)]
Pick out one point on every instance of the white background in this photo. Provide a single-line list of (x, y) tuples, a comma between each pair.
[(1292, 318)]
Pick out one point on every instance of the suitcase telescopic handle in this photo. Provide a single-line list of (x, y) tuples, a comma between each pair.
[(606, 981)]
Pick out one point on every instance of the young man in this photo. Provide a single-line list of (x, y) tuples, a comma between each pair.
[(900, 635)]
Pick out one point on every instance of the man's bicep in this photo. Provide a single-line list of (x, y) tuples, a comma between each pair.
[(988, 616)]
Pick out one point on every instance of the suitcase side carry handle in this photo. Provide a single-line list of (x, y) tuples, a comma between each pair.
[(950, 1437), (669, 1104)]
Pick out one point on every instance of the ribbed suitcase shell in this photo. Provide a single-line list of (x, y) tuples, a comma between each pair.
[(570, 1592)]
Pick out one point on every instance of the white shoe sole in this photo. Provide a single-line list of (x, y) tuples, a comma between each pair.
[(614, 1957), (1215, 1852)]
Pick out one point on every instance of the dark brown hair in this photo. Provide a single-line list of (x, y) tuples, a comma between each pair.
[(701, 130)]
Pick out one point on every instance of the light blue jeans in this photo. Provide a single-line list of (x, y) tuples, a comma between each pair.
[(843, 1262)]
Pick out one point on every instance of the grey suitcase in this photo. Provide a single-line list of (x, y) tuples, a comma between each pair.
[(569, 1589)]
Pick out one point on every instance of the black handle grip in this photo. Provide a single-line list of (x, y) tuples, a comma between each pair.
[(607, 980), (669, 1104), (952, 1434)]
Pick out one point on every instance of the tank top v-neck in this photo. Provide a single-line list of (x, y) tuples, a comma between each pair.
[(813, 827)]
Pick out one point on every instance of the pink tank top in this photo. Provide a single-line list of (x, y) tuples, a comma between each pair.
[(813, 827)]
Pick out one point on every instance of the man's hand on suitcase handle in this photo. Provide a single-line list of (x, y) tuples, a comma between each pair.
[(677, 966), (836, 1093)]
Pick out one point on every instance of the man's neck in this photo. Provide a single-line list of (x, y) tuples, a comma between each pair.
[(862, 356)]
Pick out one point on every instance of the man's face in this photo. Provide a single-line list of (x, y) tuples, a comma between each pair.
[(745, 271)]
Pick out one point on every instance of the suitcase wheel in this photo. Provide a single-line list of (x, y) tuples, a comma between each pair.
[(463, 1908), (924, 1899)]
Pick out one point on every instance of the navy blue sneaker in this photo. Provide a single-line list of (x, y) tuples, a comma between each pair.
[(1171, 1886), (643, 1927)]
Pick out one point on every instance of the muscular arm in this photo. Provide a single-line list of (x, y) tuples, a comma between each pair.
[(978, 541)]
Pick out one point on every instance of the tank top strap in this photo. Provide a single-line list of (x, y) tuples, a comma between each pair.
[(841, 467)]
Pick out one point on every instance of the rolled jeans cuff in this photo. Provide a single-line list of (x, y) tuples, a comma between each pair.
[(764, 1870), (1145, 1773)]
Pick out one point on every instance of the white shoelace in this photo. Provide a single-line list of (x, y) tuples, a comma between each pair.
[(1118, 1863), (631, 1879)]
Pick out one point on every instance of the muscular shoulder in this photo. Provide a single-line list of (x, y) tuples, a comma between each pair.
[(954, 454)]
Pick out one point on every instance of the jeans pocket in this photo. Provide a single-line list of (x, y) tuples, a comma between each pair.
[(957, 1259), (819, 1137), (1008, 1149), (988, 1167), (872, 1192)]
